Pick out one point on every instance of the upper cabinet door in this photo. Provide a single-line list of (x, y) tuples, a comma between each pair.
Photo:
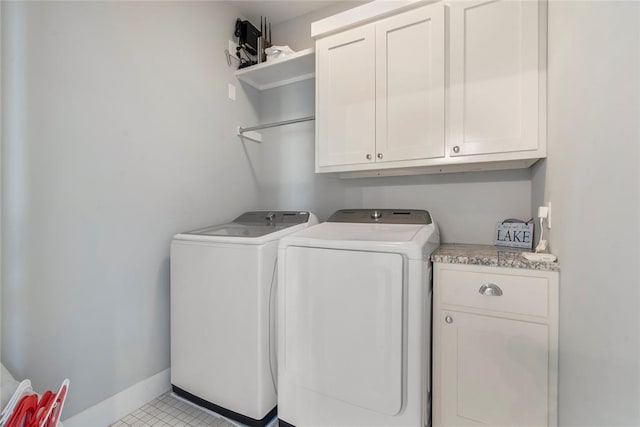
[(345, 104), (494, 87), (410, 85)]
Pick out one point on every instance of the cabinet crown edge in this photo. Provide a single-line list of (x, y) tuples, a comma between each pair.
[(361, 15)]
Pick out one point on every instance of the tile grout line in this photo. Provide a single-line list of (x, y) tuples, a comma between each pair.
[(169, 411)]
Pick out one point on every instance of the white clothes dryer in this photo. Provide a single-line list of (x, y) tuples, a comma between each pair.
[(354, 320), (223, 314)]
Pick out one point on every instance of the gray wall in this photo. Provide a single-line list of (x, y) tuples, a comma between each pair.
[(117, 133), (592, 178)]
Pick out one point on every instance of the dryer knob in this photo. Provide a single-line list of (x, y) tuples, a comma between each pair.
[(270, 216)]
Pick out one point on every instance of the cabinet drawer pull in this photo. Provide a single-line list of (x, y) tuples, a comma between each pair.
[(490, 290)]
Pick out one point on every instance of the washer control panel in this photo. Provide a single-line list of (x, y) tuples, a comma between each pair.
[(273, 217)]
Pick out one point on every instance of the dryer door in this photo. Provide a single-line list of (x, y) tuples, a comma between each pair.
[(343, 322)]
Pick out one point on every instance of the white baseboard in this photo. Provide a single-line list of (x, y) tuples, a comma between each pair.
[(112, 409)]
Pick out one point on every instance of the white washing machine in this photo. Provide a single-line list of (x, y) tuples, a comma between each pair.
[(354, 320), (223, 314)]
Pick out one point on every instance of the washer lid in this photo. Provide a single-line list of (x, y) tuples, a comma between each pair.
[(255, 224), (238, 230), (253, 228)]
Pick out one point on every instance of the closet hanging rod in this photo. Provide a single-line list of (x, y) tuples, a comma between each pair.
[(242, 130)]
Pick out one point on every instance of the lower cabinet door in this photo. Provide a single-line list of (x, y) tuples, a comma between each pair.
[(492, 371)]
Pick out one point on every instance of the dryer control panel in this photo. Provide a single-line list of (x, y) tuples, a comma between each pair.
[(382, 216)]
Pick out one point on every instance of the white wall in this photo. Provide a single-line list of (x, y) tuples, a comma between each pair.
[(593, 180), (286, 173), (467, 206), (117, 133), (1, 121), (296, 33)]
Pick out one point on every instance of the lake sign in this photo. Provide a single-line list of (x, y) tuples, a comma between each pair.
[(515, 233)]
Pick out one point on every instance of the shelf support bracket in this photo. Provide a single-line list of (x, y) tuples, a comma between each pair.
[(247, 134)]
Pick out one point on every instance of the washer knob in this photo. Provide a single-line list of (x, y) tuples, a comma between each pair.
[(270, 216), (376, 215)]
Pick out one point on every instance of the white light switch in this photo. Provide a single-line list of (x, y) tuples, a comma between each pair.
[(549, 215), (232, 92)]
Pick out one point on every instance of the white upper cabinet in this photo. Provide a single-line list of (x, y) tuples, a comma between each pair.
[(493, 86), (383, 87), (380, 92), (410, 85), (346, 111)]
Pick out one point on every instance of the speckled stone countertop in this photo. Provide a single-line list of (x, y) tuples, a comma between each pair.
[(488, 255)]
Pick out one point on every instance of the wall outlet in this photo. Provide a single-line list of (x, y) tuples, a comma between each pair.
[(543, 212)]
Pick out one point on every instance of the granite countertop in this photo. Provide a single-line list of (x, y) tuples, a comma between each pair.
[(488, 255)]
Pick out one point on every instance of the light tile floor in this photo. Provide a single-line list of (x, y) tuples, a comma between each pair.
[(169, 411)]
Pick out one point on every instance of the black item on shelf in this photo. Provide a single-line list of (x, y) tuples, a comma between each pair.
[(244, 63), (248, 36)]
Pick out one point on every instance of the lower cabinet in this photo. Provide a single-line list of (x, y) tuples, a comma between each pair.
[(495, 346)]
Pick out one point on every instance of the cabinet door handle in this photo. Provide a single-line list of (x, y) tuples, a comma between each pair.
[(448, 319), (368, 156), (490, 290), (379, 155)]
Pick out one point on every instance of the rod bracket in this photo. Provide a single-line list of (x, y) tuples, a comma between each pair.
[(254, 136)]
